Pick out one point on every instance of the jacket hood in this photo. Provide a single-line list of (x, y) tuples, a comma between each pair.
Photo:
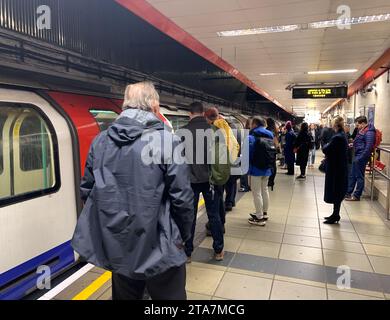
[(262, 130), (131, 124)]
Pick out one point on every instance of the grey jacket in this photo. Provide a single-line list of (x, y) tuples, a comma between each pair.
[(136, 215)]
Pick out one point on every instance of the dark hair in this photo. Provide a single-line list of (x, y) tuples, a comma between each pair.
[(304, 127), (258, 121), (339, 124), (196, 107), (248, 123), (271, 123), (361, 119)]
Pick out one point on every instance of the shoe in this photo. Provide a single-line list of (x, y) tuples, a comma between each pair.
[(353, 198), (327, 218), (243, 190), (219, 256), (228, 207), (271, 186), (256, 221), (332, 220), (188, 260), (301, 177), (265, 216)]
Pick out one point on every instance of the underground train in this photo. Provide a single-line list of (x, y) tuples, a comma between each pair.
[(45, 139)]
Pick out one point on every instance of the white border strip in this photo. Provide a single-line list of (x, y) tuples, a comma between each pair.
[(67, 282)]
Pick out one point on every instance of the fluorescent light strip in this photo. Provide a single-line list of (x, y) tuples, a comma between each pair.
[(349, 21), (311, 25), (333, 71), (246, 32)]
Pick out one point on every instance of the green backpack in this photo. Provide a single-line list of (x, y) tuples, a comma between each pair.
[(220, 170)]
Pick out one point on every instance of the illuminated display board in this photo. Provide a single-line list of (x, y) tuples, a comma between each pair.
[(320, 93)]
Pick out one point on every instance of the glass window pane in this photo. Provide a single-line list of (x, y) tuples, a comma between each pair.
[(3, 118), (104, 118), (177, 121)]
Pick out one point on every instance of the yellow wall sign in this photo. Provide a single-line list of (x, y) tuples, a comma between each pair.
[(320, 93)]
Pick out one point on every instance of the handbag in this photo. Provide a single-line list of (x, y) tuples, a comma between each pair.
[(322, 166)]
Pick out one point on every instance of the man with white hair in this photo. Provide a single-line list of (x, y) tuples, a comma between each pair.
[(138, 213)]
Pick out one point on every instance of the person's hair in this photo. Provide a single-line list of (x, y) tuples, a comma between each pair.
[(338, 123), (288, 125), (258, 121), (271, 123), (196, 107), (304, 127), (212, 114), (141, 95), (361, 119), (248, 123)]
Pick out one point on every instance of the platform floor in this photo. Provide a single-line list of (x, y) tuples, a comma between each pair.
[(295, 256)]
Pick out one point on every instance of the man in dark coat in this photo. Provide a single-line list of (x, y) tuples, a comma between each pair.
[(336, 173), (288, 149), (302, 145), (138, 203)]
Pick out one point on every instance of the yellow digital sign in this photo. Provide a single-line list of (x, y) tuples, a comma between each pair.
[(320, 92)]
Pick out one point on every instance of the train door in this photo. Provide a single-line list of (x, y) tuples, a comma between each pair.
[(37, 200)]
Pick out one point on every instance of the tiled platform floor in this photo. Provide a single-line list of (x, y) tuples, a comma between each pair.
[(295, 256)]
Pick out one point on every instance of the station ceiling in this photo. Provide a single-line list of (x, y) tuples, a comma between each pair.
[(286, 55)]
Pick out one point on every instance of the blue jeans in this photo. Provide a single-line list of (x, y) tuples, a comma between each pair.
[(356, 178), (231, 191), (214, 207)]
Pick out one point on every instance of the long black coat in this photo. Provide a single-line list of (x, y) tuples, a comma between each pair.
[(137, 212), (336, 176), (303, 143)]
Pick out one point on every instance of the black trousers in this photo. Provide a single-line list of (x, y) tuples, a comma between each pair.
[(169, 285), (303, 169), (290, 168), (336, 209), (271, 179)]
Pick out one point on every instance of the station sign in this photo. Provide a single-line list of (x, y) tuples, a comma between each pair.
[(320, 93)]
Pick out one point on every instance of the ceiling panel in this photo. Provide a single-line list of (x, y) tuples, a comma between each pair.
[(289, 52)]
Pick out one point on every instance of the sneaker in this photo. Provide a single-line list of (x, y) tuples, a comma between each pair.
[(228, 207), (300, 177), (256, 221), (219, 256), (353, 198), (189, 260), (265, 216)]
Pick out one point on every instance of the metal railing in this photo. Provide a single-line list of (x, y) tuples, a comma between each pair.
[(374, 170)]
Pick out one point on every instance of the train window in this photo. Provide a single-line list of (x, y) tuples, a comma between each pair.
[(104, 118), (3, 118), (177, 121), (29, 154), (34, 144)]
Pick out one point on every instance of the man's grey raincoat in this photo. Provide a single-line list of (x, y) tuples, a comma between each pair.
[(137, 214)]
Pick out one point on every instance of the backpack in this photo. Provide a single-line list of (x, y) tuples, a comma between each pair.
[(378, 139), (220, 170), (264, 155)]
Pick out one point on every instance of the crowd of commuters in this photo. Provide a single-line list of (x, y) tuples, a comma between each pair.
[(139, 219)]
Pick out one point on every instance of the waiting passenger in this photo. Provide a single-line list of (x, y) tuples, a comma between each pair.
[(271, 126), (244, 184), (137, 215), (302, 147), (314, 135), (220, 174), (262, 154), (200, 175), (336, 170), (363, 146), (289, 154)]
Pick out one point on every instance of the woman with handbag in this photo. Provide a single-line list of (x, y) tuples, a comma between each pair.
[(336, 170), (302, 147)]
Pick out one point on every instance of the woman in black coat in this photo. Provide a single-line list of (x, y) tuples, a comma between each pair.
[(336, 172), (302, 146)]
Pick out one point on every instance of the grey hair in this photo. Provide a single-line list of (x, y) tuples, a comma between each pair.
[(141, 95)]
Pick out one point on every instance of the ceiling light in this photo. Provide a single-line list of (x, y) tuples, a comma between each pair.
[(349, 21), (246, 32), (333, 71), (311, 25), (270, 74)]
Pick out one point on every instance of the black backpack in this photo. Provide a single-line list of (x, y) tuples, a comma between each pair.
[(264, 155)]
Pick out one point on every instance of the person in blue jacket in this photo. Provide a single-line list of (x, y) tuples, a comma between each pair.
[(289, 154), (363, 145), (259, 177)]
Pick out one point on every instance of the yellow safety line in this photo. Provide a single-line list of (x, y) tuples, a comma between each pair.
[(93, 287), (99, 282)]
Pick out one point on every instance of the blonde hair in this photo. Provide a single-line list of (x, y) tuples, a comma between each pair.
[(141, 95), (338, 123)]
